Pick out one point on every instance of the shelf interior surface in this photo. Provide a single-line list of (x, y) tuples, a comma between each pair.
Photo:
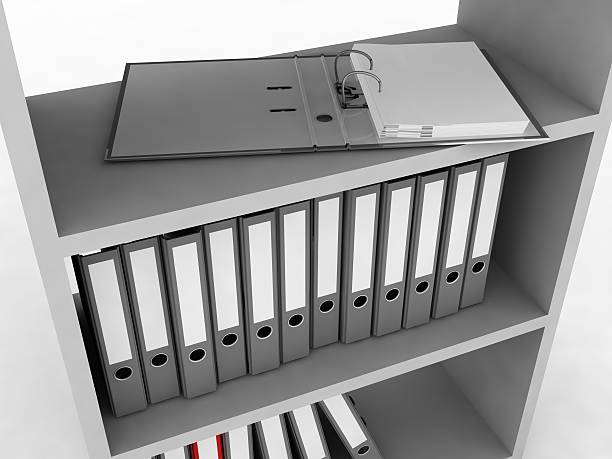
[(506, 312), (86, 193)]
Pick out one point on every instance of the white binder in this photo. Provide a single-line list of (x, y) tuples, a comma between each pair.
[(209, 448), (326, 255), (238, 443), (178, 453), (272, 438), (350, 427), (307, 432)]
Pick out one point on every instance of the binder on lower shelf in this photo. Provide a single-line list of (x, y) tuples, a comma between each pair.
[(294, 268), (177, 453), (258, 249), (460, 198), (358, 258), (102, 286), (144, 275), (188, 297), (307, 433), (225, 286), (349, 426), (485, 219), (326, 257), (238, 443), (272, 438), (428, 207), (209, 448), (395, 223)]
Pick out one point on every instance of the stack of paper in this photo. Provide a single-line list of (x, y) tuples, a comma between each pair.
[(437, 91)]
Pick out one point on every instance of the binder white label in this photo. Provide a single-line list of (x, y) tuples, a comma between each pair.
[(224, 278), (110, 311), (327, 246), (178, 453), (309, 432), (239, 443), (428, 231), (149, 296), (294, 240), (399, 219), (273, 435), (488, 207), (262, 285), (347, 423), (189, 288), (363, 243), (460, 222), (207, 448)]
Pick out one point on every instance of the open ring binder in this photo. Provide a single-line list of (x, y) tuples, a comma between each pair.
[(343, 92)]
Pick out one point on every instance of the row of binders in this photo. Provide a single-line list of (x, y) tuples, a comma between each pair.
[(183, 312), (297, 434)]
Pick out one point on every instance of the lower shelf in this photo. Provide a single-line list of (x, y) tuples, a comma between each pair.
[(422, 415), (506, 312)]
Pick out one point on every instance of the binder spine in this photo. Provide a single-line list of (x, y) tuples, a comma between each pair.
[(359, 254), (429, 206), (395, 222), (458, 215), (315, 446), (105, 289), (148, 300), (238, 443), (490, 189), (272, 438), (189, 305), (326, 269), (226, 299), (294, 268), (259, 265)]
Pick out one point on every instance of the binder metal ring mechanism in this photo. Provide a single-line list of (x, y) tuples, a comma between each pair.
[(236, 107)]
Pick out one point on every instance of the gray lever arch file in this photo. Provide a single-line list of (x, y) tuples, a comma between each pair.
[(395, 222), (307, 433), (350, 427), (227, 308), (260, 280), (235, 107), (272, 438), (458, 216), (188, 295), (238, 443), (428, 208), (102, 284), (326, 257), (485, 219), (144, 274), (358, 260), (294, 228)]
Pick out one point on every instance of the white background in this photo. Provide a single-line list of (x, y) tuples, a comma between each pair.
[(63, 44)]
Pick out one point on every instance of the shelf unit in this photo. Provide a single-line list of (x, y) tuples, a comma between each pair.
[(469, 382)]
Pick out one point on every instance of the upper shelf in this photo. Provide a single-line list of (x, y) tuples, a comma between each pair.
[(97, 204)]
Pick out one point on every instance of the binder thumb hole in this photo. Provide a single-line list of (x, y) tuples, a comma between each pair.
[(452, 277), (363, 450), (478, 267), (392, 294), (197, 355), (264, 332), (295, 320), (123, 373), (360, 301), (326, 306), (159, 360), (422, 287), (229, 340)]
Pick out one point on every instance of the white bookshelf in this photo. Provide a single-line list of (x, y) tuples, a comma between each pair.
[(468, 382)]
